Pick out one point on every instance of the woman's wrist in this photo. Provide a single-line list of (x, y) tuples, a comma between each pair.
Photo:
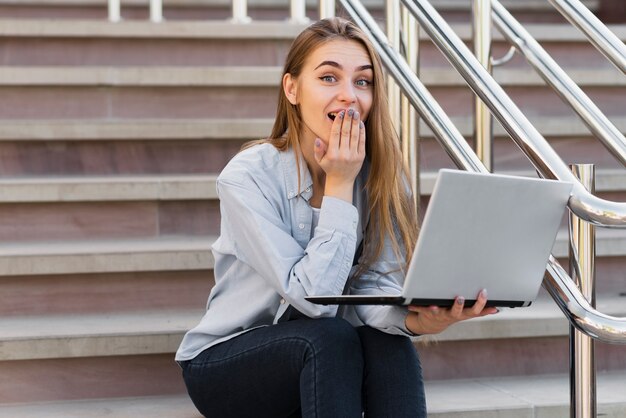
[(340, 189)]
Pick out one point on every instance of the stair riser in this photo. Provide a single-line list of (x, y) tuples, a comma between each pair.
[(103, 377), (92, 51), (98, 293), (179, 156), (241, 102), (116, 157), (135, 52), (84, 378), (118, 292), (107, 220), (509, 357), (132, 102), (507, 156)]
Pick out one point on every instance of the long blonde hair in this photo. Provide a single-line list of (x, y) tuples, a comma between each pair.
[(392, 211)]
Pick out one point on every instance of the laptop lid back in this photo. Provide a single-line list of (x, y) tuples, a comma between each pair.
[(486, 231)]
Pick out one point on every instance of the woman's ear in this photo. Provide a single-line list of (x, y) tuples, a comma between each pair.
[(290, 87)]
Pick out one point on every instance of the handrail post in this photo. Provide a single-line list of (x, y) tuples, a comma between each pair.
[(156, 11), (298, 11), (582, 269), (115, 14), (410, 120), (327, 8), (240, 12), (392, 12), (483, 121)]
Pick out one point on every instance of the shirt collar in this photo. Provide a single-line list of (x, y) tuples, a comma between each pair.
[(288, 160)]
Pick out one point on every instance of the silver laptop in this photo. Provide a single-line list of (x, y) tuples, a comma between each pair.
[(480, 231)]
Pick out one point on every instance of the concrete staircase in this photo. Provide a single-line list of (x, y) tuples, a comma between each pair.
[(111, 136)]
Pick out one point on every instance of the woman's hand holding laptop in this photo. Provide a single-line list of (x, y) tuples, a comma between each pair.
[(433, 319)]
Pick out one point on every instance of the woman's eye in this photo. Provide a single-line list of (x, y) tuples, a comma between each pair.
[(363, 83), (327, 78)]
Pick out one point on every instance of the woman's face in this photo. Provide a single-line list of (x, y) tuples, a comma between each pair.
[(337, 76)]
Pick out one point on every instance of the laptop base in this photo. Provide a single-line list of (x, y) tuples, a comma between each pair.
[(399, 300)]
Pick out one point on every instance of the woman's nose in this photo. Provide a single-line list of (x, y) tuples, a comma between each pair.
[(347, 93)]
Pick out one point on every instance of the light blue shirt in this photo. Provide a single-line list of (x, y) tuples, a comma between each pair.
[(267, 258)]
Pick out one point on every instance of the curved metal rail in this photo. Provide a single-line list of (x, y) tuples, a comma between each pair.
[(573, 304), (552, 73), (586, 206), (602, 38)]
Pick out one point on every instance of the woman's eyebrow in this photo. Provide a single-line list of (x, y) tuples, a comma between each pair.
[(337, 65)]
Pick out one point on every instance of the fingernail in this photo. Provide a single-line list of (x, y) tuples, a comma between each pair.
[(356, 115), (460, 300), (350, 112), (483, 293), (341, 114), (361, 124), (318, 142)]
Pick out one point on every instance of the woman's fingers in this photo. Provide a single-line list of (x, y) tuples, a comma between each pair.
[(335, 134), (346, 128), (361, 146), (457, 308), (320, 149), (354, 132), (481, 301)]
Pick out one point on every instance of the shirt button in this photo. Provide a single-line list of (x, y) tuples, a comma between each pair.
[(282, 301), (301, 226), (308, 189)]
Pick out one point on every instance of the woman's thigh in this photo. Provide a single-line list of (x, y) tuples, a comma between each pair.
[(315, 365), (392, 383)]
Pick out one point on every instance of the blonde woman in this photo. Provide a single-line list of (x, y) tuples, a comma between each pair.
[(321, 207)]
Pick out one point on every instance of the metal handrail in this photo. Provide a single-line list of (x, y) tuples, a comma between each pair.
[(552, 73), (588, 207), (557, 282), (598, 34)]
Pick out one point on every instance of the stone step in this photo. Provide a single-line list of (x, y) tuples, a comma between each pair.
[(525, 341), (166, 406), (106, 256), (187, 187), (160, 331), (107, 208), (528, 396), (94, 335), (256, 76), (69, 209), (276, 29), (25, 258), (192, 146), (174, 43), (197, 93), (107, 188), (504, 346), (198, 9), (228, 128), (101, 293)]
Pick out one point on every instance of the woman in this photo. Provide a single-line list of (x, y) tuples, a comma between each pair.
[(321, 207)]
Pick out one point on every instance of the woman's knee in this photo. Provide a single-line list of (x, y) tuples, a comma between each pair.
[(386, 350), (335, 334)]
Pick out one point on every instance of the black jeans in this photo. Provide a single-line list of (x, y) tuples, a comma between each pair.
[(318, 368)]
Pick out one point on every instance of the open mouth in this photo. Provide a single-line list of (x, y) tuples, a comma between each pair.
[(332, 115)]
